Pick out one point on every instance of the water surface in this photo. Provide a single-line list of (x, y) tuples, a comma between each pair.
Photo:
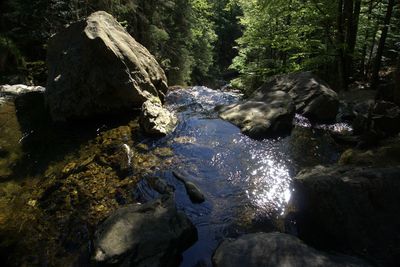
[(247, 183)]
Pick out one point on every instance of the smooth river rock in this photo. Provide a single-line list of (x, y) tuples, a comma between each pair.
[(96, 67), (313, 98), (276, 250), (349, 209), (149, 235), (193, 191), (156, 120), (262, 118)]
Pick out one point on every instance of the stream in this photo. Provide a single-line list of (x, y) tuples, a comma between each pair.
[(246, 183)]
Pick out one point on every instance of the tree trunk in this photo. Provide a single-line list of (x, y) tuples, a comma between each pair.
[(397, 82), (381, 46), (367, 35), (352, 36), (347, 22), (341, 47)]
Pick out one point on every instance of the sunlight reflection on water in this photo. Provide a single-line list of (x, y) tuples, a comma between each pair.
[(247, 182), (267, 177), (258, 168)]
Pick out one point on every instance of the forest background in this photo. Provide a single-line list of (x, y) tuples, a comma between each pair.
[(347, 42)]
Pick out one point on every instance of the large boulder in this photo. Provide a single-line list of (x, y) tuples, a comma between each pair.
[(349, 208), (152, 234), (313, 98), (262, 118), (96, 67), (275, 250)]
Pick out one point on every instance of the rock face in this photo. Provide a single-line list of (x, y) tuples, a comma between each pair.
[(153, 234), (275, 249), (313, 97), (263, 117), (157, 120), (350, 209), (96, 67)]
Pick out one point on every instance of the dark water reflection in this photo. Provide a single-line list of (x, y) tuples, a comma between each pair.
[(246, 182)]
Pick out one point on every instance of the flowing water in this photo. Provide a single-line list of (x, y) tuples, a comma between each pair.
[(247, 183)]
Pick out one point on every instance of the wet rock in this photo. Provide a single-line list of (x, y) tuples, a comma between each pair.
[(193, 191), (111, 71), (275, 249), (152, 234), (119, 157), (163, 152), (262, 118), (160, 185), (350, 209), (313, 98), (19, 89), (157, 120)]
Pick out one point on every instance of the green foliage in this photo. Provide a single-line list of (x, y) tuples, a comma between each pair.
[(196, 40), (281, 37), (10, 55), (333, 38), (180, 33)]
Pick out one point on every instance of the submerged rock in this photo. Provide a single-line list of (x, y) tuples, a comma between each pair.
[(157, 120), (275, 250), (160, 185), (193, 191), (350, 209), (152, 234), (262, 118), (96, 67), (313, 98)]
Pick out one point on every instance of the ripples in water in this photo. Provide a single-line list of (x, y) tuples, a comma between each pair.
[(247, 183)]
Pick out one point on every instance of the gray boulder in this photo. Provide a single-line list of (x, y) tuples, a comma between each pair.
[(262, 118), (275, 250), (313, 98), (349, 209), (96, 67), (152, 234), (157, 120)]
